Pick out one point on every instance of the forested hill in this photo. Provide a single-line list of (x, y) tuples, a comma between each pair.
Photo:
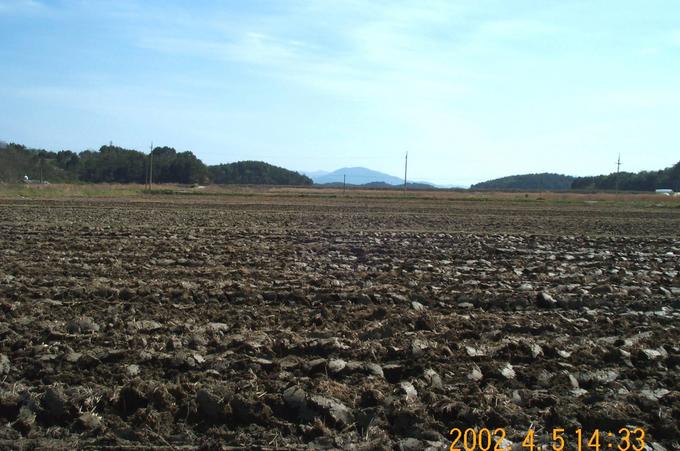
[(256, 172), (543, 181), (630, 181), (113, 164)]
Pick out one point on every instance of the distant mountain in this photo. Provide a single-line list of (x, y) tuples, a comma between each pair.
[(313, 174), (357, 176), (448, 185), (409, 185), (543, 181)]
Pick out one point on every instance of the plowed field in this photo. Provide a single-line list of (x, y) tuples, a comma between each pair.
[(352, 322)]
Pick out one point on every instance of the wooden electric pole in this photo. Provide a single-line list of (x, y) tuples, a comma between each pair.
[(151, 166), (405, 170), (618, 169)]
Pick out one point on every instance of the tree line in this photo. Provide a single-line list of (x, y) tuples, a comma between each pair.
[(668, 178), (632, 181), (113, 164), (255, 172), (544, 181)]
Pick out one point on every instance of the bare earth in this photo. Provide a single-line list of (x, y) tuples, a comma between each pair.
[(313, 319)]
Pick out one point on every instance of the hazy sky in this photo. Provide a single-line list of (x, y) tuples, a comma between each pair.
[(472, 89)]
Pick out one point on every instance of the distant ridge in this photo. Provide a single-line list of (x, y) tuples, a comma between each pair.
[(360, 176), (543, 181), (112, 164), (314, 174), (255, 173), (668, 178), (357, 176), (409, 185)]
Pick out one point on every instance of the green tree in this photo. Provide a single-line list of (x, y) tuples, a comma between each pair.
[(256, 173)]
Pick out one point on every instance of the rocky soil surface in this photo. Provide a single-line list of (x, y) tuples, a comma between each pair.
[(334, 323)]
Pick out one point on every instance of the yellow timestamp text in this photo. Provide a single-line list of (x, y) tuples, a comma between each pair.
[(484, 439)]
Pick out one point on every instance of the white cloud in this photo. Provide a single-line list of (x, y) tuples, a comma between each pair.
[(358, 52), (406, 65), (21, 6)]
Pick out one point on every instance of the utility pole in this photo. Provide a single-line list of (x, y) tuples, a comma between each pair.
[(151, 166), (405, 170), (344, 183), (618, 169)]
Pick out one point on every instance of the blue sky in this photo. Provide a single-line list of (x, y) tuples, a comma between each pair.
[(472, 89)]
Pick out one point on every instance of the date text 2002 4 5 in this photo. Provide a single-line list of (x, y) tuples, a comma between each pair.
[(625, 439)]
